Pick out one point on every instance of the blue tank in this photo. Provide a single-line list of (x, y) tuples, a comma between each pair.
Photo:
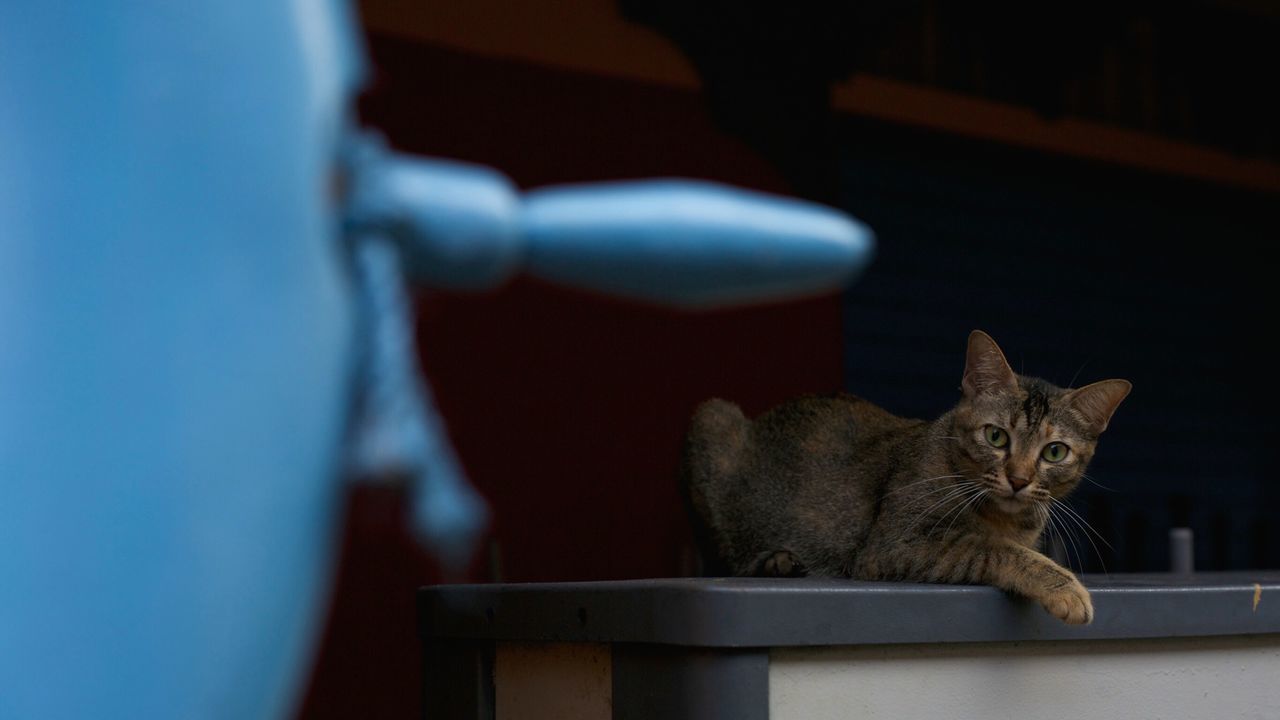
[(204, 333)]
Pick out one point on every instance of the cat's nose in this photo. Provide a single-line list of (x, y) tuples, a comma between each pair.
[(1018, 483)]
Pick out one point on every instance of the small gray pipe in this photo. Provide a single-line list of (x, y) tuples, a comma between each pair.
[(1181, 551)]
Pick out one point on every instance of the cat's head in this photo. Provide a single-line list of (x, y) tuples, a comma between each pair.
[(1022, 438)]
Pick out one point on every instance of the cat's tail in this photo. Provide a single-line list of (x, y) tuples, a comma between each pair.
[(713, 450)]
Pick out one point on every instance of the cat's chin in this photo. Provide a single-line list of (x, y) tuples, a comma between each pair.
[(1010, 505)]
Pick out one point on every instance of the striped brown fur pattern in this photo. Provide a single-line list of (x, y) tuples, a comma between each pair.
[(835, 486)]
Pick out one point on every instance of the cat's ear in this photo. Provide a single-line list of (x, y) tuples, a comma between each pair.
[(1097, 402), (985, 369)]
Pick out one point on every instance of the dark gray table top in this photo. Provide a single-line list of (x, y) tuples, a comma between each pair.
[(754, 612)]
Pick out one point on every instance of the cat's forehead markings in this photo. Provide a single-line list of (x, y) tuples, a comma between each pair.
[(1035, 406), (1017, 417)]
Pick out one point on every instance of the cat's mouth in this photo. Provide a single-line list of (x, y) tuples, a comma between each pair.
[(1011, 503), (1005, 499)]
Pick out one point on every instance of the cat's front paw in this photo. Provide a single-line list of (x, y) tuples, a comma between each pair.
[(1070, 603)]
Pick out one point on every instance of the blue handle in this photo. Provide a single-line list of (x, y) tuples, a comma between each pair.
[(693, 244), (676, 242), (459, 226)]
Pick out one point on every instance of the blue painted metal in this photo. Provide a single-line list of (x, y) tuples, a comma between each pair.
[(690, 244), (457, 224), (176, 348), (202, 305), (397, 433), (675, 242)]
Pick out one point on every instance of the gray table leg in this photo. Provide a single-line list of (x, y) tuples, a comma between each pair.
[(664, 681), (457, 680)]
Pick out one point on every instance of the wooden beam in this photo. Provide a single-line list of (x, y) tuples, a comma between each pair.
[(590, 36)]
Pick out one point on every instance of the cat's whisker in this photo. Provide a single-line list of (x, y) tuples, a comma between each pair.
[(1048, 529), (1084, 525), (913, 483), (982, 494), (925, 480), (956, 487), (1095, 482), (1071, 515), (1043, 517), (1068, 518), (1068, 544), (1061, 533), (934, 491), (1078, 371), (959, 506), (965, 488), (1067, 537)]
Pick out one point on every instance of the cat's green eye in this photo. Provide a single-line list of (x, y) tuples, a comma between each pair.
[(996, 436), (1054, 452)]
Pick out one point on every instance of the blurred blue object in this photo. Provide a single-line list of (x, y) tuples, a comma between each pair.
[(691, 244), (204, 328)]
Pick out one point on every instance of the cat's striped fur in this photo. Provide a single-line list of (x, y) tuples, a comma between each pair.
[(836, 486)]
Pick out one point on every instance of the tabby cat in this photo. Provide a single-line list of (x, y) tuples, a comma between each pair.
[(835, 486)]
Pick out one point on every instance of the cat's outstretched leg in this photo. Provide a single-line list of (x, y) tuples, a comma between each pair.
[(1056, 588), (1006, 565)]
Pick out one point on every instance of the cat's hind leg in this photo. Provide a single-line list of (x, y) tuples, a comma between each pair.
[(714, 443), (713, 450), (779, 563)]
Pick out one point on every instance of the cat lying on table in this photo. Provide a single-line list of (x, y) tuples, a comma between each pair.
[(836, 486)]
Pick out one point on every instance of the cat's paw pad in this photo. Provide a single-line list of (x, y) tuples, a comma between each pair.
[(782, 564), (1070, 604)]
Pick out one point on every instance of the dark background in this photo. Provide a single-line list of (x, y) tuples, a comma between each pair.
[(1096, 188)]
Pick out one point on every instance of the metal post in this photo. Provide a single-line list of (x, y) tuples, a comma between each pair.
[(1181, 551)]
